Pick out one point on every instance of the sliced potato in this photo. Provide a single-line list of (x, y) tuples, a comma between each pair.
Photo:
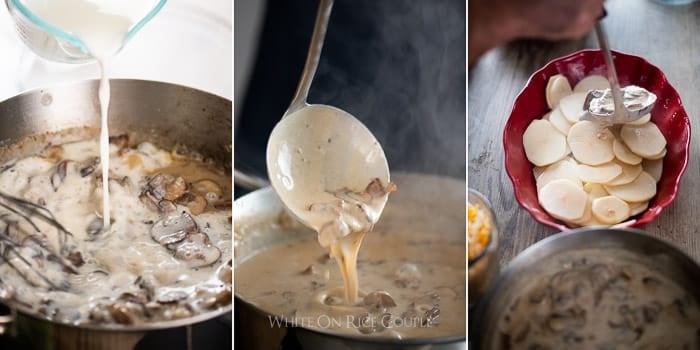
[(638, 207), (603, 173), (623, 153), (658, 156), (559, 122), (644, 140), (595, 190), (629, 174), (572, 106), (563, 199), (563, 169), (592, 82), (557, 87), (643, 188), (543, 144), (610, 209), (654, 167), (591, 143), (642, 120)]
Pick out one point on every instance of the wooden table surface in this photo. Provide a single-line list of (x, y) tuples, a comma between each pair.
[(670, 39)]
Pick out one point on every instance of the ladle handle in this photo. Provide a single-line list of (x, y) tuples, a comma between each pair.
[(612, 72), (312, 58)]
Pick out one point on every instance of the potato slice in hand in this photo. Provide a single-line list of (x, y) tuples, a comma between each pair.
[(623, 153), (600, 173), (557, 87), (643, 188), (654, 167), (559, 122), (572, 106), (629, 174), (644, 140), (543, 144), (563, 169), (592, 82), (610, 210), (591, 143), (563, 199)]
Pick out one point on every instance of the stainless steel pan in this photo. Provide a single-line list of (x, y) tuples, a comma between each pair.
[(431, 204), (166, 114), (658, 254)]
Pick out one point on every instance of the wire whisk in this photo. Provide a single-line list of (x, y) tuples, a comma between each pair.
[(24, 247)]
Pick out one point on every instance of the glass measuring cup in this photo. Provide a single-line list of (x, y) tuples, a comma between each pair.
[(55, 44)]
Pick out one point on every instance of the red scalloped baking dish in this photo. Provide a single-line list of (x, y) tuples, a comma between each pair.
[(668, 114)]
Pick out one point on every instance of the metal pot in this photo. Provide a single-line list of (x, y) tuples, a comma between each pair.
[(165, 114), (434, 205), (658, 254)]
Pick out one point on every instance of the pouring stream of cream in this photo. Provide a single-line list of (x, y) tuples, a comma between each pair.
[(104, 34)]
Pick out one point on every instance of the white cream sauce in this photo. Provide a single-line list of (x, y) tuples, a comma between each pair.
[(423, 274), (125, 275), (103, 33)]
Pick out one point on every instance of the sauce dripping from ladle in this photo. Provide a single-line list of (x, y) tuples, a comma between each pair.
[(320, 160)]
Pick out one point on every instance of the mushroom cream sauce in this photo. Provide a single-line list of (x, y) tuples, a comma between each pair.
[(167, 254), (411, 273)]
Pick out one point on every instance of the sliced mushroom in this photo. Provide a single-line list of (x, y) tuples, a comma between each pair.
[(194, 202), (430, 316), (147, 285), (126, 312), (166, 206), (375, 188), (173, 229), (171, 296), (175, 189), (225, 272), (76, 259), (208, 189), (156, 185), (90, 167), (149, 200), (137, 297), (121, 141), (60, 174), (379, 300), (95, 227), (196, 250), (215, 297)]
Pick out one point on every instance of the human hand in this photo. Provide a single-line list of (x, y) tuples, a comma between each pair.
[(493, 23)]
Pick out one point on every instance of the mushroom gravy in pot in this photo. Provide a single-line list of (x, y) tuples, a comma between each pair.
[(166, 255), (411, 267), (598, 299)]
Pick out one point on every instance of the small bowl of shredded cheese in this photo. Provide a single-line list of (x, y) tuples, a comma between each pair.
[(482, 244)]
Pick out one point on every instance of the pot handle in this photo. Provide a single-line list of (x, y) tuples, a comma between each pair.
[(6, 318)]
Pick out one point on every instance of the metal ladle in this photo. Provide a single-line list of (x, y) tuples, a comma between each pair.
[(621, 112), (317, 149)]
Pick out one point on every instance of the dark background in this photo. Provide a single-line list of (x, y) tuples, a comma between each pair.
[(397, 65)]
